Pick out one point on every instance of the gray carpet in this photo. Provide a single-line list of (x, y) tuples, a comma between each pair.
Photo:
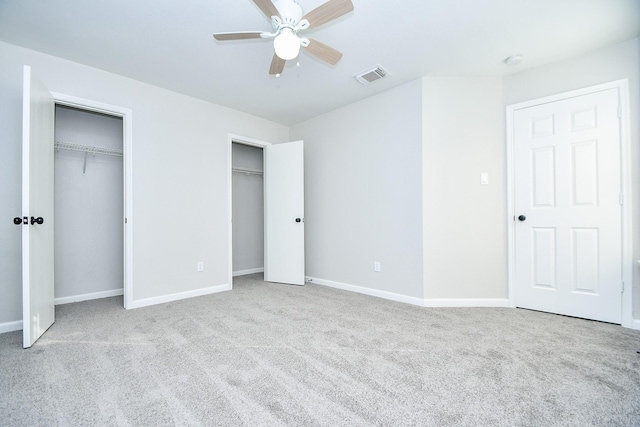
[(268, 354)]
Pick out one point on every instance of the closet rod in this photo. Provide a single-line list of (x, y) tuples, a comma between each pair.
[(247, 171), (88, 149)]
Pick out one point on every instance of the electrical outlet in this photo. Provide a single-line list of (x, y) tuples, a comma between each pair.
[(200, 266), (376, 266)]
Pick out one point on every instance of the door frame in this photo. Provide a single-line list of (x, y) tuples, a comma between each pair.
[(127, 147), (230, 141), (625, 171)]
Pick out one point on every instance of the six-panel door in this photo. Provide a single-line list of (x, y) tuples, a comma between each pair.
[(567, 186)]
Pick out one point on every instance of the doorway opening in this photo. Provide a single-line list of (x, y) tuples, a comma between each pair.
[(93, 194), (283, 209), (88, 205), (247, 188)]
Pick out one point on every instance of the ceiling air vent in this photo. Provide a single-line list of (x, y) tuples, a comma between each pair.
[(370, 76)]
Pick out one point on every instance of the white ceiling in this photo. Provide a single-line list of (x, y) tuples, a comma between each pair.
[(169, 43)]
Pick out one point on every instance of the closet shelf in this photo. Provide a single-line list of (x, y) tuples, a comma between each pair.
[(247, 171), (87, 149)]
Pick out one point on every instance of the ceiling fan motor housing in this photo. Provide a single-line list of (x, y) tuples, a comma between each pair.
[(290, 11)]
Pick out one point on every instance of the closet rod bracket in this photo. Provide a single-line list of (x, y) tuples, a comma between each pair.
[(84, 166)]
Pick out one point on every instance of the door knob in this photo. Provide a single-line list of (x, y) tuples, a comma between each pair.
[(298, 220), (17, 220), (522, 217), (38, 220)]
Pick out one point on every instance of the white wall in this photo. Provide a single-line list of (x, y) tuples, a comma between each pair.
[(248, 209), (465, 247), (179, 175), (89, 207), (615, 62), (363, 192)]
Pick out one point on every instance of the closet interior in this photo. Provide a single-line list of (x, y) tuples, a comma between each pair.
[(247, 209), (89, 205)]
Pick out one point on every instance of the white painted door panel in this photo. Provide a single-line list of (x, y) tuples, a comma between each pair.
[(284, 213), (37, 201), (567, 185)]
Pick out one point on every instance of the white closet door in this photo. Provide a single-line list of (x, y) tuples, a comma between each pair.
[(38, 310), (284, 213), (567, 190)]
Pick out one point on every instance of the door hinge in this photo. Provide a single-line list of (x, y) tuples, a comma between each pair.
[(619, 111), (622, 287), (125, 220), (621, 199)]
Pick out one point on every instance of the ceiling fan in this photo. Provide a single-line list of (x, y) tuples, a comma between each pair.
[(288, 20)]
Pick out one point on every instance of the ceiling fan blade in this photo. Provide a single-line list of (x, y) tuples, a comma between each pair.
[(238, 36), (324, 52), (328, 12), (277, 65), (267, 7)]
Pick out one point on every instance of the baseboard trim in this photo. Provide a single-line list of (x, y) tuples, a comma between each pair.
[(87, 297), (179, 296), (10, 326), (366, 291), (249, 271), (429, 302), (467, 302)]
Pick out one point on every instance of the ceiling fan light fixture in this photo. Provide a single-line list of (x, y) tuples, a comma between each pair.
[(287, 44)]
